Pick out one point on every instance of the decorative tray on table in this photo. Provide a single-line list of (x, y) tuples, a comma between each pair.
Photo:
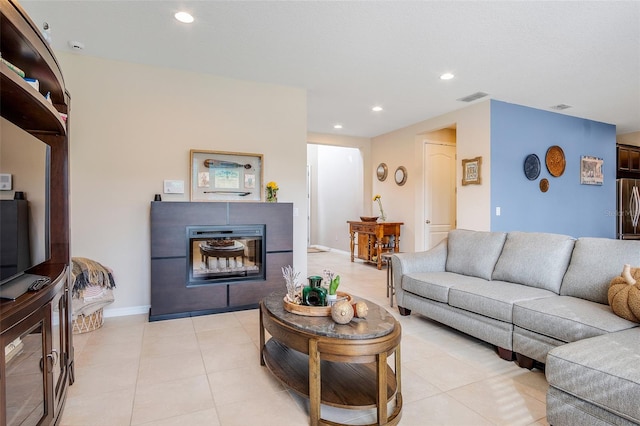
[(314, 311)]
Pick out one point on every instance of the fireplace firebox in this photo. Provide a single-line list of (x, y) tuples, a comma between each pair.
[(225, 253)]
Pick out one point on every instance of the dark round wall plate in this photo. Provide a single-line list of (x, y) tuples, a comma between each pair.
[(532, 167)]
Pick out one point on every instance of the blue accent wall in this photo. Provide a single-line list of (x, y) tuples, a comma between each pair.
[(567, 207)]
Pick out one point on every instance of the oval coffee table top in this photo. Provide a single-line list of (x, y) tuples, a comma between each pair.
[(379, 322)]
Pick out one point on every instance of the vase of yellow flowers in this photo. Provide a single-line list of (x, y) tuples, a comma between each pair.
[(383, 216), (272, 192)]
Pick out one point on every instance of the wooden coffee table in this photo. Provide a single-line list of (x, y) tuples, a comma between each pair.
[(340, 365)]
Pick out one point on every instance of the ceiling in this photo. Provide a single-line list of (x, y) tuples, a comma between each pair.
[(352, 55)]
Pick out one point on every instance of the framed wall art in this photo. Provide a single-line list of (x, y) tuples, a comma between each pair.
[(226, 176), (471, 171), (591, 170)]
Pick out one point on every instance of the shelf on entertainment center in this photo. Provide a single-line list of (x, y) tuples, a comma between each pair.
[(28, 109), (23, 46)]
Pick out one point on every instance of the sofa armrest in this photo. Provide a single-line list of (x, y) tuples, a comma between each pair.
[(432, 260)]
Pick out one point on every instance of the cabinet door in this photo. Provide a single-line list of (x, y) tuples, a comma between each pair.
[(623, 159), (628, 159), (634, 160), (25, 376), (364, 246), (59, 353)]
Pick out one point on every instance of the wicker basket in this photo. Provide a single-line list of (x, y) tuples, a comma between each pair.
[(85, 324)]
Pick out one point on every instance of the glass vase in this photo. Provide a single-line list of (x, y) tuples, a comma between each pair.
[(314, 294)]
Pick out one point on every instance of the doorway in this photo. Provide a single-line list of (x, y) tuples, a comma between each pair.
[(335, 186), (439, 191)]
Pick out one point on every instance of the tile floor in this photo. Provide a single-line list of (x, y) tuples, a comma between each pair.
[(205, 371)]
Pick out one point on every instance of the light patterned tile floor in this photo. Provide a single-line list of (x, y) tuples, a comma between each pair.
[(205, 371)]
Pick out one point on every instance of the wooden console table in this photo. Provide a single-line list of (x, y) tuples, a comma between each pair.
[(373, 239)]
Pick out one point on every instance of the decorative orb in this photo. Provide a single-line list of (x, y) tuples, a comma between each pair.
[(342, 312), (361, 309)]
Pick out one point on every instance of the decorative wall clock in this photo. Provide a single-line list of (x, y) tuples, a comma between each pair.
[(555, 161)]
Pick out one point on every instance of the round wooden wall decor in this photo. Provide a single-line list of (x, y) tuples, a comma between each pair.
[(544, 185), (555, 161)]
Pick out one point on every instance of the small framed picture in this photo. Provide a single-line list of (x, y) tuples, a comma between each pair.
[(226, 176), (471, 171), (591, 170)]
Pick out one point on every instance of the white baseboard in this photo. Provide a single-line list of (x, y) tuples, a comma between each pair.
[(122, 312)]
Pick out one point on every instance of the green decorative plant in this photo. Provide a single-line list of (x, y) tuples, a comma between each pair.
[(333, 286), (333, 280)]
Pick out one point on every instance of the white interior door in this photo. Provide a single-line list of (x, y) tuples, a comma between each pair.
[(440, 192)]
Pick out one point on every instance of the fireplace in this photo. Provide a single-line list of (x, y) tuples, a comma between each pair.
[(225, 253), (191, 274)]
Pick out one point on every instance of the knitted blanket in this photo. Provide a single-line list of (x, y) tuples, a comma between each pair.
[(86, 272)]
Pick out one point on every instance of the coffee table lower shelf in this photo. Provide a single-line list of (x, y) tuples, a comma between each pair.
[(343, 385)]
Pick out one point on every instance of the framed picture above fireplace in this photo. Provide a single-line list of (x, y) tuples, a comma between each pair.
[(226, 176)]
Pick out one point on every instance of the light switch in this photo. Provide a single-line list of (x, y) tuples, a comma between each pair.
[(497, 211)]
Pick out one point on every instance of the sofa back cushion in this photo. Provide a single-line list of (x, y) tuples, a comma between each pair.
[(594, 263), (473, 253), (534, 259)]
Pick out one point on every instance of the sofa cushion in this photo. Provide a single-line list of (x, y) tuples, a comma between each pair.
[(594, 263), (534, 259), (567, 318), (533, 345), (602, 370), (473, 253), (493, 299), (565, 409), (435, 285)]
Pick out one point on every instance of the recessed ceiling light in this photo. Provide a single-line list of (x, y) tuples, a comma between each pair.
[(184, 17), (376, 108), (446, 76), (337, 126)]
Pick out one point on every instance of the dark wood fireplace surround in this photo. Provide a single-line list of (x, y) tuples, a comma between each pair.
[(170, 295)]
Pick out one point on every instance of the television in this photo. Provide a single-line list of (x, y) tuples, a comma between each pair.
[(24, 208)]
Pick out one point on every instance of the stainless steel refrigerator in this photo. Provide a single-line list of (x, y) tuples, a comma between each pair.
[(628, 209)]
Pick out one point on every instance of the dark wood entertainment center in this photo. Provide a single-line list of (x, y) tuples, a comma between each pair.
[(172, 296), (36, 352)]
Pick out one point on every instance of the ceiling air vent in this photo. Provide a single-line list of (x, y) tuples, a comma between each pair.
[(473, 97), (560, 107)]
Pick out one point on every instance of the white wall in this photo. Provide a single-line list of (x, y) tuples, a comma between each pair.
[(404, 147), (132, 126)]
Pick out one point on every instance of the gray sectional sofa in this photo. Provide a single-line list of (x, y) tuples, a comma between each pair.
[(538, 298)]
